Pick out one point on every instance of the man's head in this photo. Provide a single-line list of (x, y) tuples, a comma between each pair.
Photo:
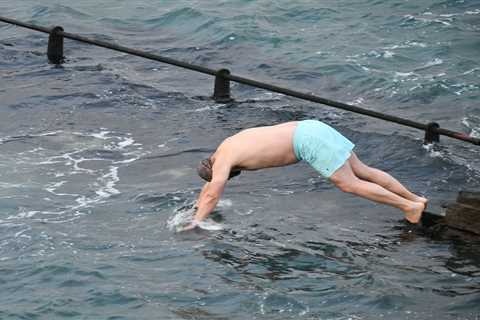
[(205, 172)]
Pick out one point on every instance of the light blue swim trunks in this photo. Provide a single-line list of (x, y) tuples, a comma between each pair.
[(323, 147)]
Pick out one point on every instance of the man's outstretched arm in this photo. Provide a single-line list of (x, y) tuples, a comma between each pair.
[(204, 188), (211, 192), (208, 199)]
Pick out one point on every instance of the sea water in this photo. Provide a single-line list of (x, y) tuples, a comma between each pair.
[(98, 158)]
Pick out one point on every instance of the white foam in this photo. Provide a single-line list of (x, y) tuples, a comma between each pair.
[(388, 54), (34, 150), (10, 185), (109, 180), (125, 143), (471, 71), (99, 182), (24, 214), (51, 133), (246, 213), (464, 87), (434, 62), (210, 225), (404, 74), (225, 203), (449, 15), (101, 135), (476, 11), (474, 132), (444, 19), (416, 44), (52, 188), (181, 220), (106, 188), (359, 101), (283, 192), (431, 152), (375, 54), (3, 139), (405, 45), (442, 22), (208, 108), (20, 233), (126, 160)]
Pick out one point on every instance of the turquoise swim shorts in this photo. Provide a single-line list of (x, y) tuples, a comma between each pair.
[(323, 147)]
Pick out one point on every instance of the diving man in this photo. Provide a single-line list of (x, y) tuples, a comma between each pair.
[(324, 148)]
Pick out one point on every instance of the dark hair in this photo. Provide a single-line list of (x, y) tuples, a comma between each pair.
[(205, 172)]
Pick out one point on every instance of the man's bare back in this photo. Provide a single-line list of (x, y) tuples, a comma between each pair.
[(259, 148)]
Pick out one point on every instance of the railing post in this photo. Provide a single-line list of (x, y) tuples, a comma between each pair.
[(55, 46), (431, 135), (221, 92)]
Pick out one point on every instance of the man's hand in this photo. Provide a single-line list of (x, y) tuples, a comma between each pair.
[(192, 225)]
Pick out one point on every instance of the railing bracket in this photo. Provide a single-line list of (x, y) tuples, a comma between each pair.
[(431, 134), (55, 46), (221, 92)]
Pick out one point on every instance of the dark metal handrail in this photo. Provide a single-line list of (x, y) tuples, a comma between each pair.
[(223, 78)]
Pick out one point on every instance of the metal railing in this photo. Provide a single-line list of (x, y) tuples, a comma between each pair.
[(223, 78)]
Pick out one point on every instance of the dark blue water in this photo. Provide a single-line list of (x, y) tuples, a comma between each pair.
[(98, 157)]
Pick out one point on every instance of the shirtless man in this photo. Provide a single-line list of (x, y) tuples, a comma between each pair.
[(325, 149)]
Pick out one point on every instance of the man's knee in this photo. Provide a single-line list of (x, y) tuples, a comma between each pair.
[(361, 169), (345, 185)]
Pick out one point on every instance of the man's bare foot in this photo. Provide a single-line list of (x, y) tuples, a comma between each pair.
[(414, 213), (416, 198), (422, 200)]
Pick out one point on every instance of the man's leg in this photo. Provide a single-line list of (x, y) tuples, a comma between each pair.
[(345, 179), (381, 178)]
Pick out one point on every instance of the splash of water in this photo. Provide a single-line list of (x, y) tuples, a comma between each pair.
[(183, 221)]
